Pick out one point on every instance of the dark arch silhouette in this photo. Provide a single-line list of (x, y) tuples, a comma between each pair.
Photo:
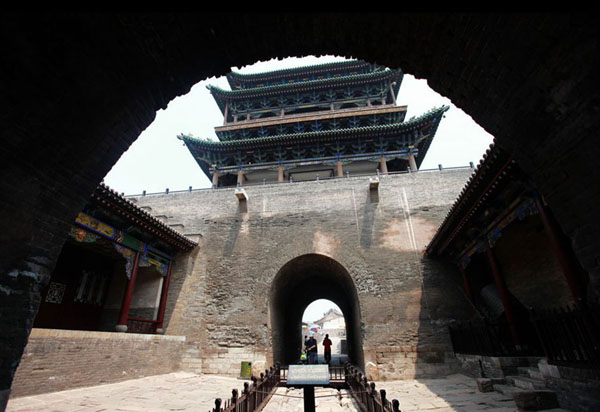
[(298, 283), (78, 89)]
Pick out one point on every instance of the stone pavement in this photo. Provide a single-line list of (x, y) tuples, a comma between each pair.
[(186, 391)]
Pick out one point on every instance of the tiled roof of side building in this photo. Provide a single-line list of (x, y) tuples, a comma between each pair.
[(107, 197), (492, 167)]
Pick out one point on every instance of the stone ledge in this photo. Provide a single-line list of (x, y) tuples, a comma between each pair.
[(38, 333)]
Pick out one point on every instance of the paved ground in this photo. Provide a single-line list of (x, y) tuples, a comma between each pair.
[(185, 391)]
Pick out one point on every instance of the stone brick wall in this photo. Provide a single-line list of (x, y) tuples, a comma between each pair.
[(56, 360), (406, 300)]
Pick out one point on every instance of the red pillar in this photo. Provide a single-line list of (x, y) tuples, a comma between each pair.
[(467, 286), (163, 300), (122, 325), (561, 251), (503, 292)]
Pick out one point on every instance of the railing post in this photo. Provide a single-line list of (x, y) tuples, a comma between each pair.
[(245, 393), (253, 391), (383, 400), (217, 405), (234, 397), (372, 396), (365, 390)]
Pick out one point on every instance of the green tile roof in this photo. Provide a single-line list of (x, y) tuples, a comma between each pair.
[(222, 95), (326, 135), (233, 76), (307, 85)]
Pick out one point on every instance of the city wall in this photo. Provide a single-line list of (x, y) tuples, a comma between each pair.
[(219, 299)]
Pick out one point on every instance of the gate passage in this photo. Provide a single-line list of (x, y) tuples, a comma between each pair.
[(257, 394)]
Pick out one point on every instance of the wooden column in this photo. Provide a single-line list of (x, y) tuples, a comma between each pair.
[(240, 178), (122, 325), (340, 170), (466, 283), (503, 292), (280, 174), (561, 250), (383, 166), (215, 179), (392, 93), (412, 163), (163, 300), (226, 113)]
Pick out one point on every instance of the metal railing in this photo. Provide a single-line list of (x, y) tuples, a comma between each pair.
[(365, 394), (257, 394), (570, 336)]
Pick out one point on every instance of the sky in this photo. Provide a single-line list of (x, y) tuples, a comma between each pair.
[(317, 309), (157, 160)]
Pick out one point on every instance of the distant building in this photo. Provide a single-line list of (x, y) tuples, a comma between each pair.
[(332, 319)]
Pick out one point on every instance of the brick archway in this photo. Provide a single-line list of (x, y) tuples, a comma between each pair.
[(79, 89), (298, 283)]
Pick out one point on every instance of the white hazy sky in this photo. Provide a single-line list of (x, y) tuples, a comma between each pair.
[(317, 309), (158, 160)]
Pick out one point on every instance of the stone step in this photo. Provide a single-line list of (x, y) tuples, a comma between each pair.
[(507, 389), (530, 372), (526, 383), (535, 400)]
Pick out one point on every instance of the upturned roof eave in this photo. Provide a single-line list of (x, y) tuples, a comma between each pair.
[(106, 195), (297, 137), (222, 95), (490, 167), (234, 76)]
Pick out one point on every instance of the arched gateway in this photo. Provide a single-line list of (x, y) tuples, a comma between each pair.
[(298, 283)]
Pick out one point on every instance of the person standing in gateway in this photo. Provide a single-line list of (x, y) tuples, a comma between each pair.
[(327, 345), (312, 350)]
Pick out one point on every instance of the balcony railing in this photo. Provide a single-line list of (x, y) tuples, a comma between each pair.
[(137, 325), (570, 336)]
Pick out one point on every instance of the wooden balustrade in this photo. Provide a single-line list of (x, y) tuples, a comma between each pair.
[(480, 338), (137, 325), (570, 336)]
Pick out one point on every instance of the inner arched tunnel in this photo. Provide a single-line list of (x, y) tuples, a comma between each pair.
[(298, 283)]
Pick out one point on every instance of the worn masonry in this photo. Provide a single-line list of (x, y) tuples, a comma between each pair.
[(221, 303)]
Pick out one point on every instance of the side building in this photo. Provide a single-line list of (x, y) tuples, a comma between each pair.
[(113, 275)]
